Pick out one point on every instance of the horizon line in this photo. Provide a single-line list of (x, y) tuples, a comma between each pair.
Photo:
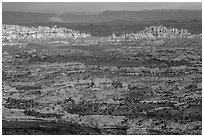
[(94, 12)]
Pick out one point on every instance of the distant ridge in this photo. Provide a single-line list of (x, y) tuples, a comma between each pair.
[(10, 17), (153, 15)]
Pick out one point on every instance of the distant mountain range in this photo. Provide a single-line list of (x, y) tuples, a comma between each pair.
[(10, 17)]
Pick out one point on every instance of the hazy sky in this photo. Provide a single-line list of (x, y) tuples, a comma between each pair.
[(60, 7)]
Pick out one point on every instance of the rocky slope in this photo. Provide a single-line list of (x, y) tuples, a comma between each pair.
[(141, 88)]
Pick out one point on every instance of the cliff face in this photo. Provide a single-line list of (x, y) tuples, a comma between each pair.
[(15, 33), (149, 33), (161, 31)]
